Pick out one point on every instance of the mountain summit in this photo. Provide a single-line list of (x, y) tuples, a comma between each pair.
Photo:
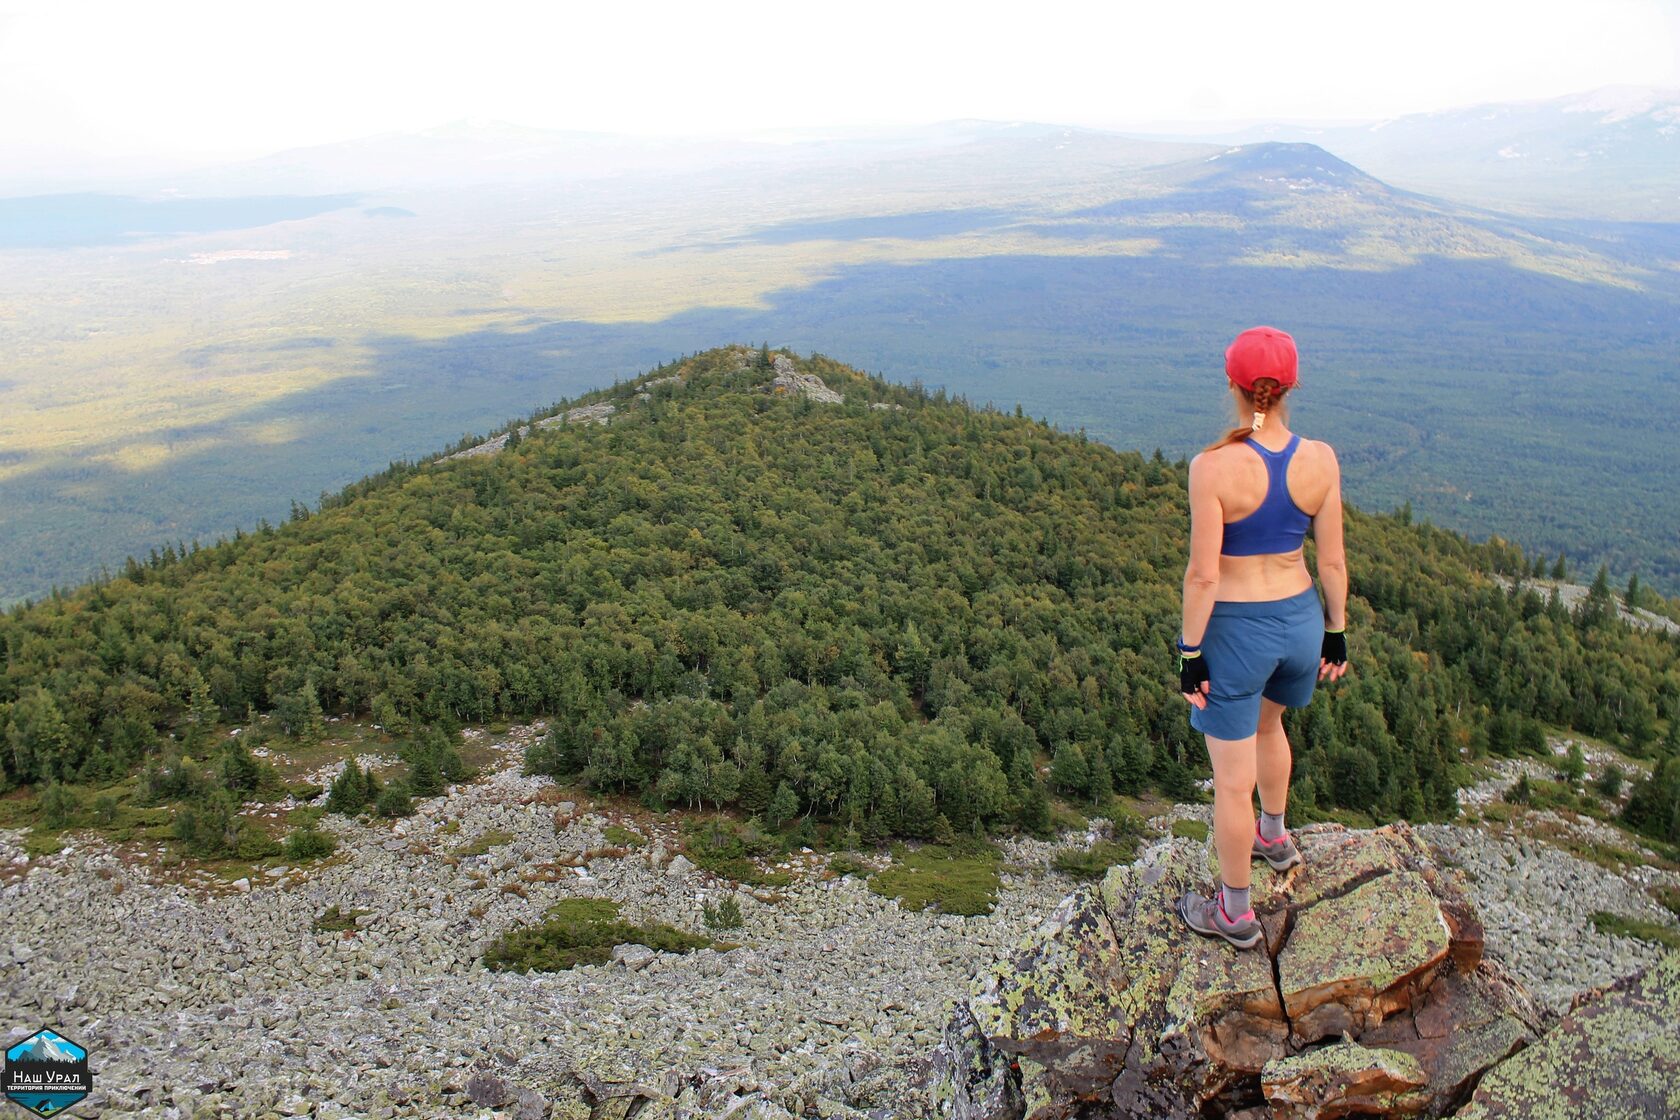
[(1286, 167)]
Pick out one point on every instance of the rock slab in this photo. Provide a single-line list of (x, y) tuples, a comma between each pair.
[(1369, 997), (1617, 1053)]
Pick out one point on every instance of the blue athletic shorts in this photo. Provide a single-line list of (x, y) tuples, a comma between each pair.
[(1271, 649)]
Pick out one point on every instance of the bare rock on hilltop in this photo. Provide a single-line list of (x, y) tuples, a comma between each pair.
[(788, 379)]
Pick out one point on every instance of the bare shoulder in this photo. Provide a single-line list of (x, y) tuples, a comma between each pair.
[(1213, 461), (1320, 451)]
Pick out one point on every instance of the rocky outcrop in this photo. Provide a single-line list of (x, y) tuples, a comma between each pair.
[(584, 414), (788, 379), (1370, 996), (1617, 1053)]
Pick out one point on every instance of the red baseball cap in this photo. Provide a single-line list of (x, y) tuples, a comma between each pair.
[(1261, 352)]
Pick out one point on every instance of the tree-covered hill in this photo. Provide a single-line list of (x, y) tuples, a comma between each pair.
[(881, 610)]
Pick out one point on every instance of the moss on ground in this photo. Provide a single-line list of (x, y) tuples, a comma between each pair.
[(1638, 928), (1190, 830), (483, 842), (583, 931), (334, 920), (1094, 862), (622, 837), (959, 878)]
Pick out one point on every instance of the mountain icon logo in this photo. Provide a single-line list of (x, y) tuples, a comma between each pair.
[(46, 1073)]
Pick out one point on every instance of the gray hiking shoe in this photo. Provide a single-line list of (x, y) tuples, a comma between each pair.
[(1281, 854), (1207, 917)]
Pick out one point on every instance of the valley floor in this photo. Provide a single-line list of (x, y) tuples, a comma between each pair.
[(204, 998)]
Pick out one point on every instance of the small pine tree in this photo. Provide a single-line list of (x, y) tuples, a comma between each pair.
[(349, 791), (394, 801), (425, 779), (1560, 570), (1102, 778), (943, 833), (1035, 811), (58, 805), (782, 806), (238, 771), (1634, 592), (1610, 781), (1574, 766)]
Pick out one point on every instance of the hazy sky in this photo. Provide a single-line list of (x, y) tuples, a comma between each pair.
[(236, 77)]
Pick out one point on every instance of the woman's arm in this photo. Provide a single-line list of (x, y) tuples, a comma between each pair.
[(1207, 536), (1332, 556)]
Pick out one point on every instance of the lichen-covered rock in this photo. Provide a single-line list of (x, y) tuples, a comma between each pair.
[(1113, 1007), (1342, 1079), (1058, 1003), (1333, 983), (1465, 1023), (1616, 1054), (971, 1076)]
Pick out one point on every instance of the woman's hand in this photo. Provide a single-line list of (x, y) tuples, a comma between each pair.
[(1193, 678), (1333, 659)]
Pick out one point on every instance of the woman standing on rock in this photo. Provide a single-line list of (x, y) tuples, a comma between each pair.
[(1256, 638)]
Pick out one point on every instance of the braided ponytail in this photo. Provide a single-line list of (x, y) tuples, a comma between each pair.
[(1266, 397)]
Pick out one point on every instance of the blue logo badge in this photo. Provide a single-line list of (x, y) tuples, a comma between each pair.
[(46, 1073)]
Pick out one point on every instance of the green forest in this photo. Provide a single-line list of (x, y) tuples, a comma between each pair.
[(901, 620)]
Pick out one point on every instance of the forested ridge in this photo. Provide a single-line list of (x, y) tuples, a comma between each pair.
[(884, 616)]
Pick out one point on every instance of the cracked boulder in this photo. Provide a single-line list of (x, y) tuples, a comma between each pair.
[(1370, 988)]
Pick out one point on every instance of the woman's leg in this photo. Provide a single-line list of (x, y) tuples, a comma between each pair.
[(1273, 760), (1233, 806)]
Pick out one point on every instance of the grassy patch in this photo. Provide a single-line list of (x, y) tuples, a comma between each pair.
[(1668, 898), (1093, 863), (1064, 817), (1189, 830), (1611, 857), (621, 837), (844, 863), (1639, 928), (960, 878), (43, 841), (334, 920), (482, 843), (582, 931), (1352, 818), (726, 848)]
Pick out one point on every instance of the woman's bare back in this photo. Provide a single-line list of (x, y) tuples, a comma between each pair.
[(1240, 480)]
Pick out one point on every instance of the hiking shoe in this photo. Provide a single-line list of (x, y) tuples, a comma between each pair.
[(1207, 916), (1281, 854)]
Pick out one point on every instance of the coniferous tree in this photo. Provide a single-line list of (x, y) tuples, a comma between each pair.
[(783, 806), (1069, 772)]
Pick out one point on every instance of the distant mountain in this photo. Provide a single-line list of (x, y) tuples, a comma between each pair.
[(1610, 153), (465, 153), (1291, 167), (46, 1047)]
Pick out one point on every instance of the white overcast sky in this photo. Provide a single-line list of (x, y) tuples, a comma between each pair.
[(245, 77)]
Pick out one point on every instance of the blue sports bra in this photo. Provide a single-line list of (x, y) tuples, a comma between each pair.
[(1279, 525)]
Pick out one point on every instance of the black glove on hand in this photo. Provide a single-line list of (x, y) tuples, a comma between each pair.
[(1335, 647), (1192, 672)]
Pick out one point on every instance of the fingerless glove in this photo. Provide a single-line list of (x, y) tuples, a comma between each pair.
[(1192, 671), (1335, 647)]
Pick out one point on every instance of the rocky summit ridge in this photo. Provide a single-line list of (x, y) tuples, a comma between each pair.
[(1371, 996)]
